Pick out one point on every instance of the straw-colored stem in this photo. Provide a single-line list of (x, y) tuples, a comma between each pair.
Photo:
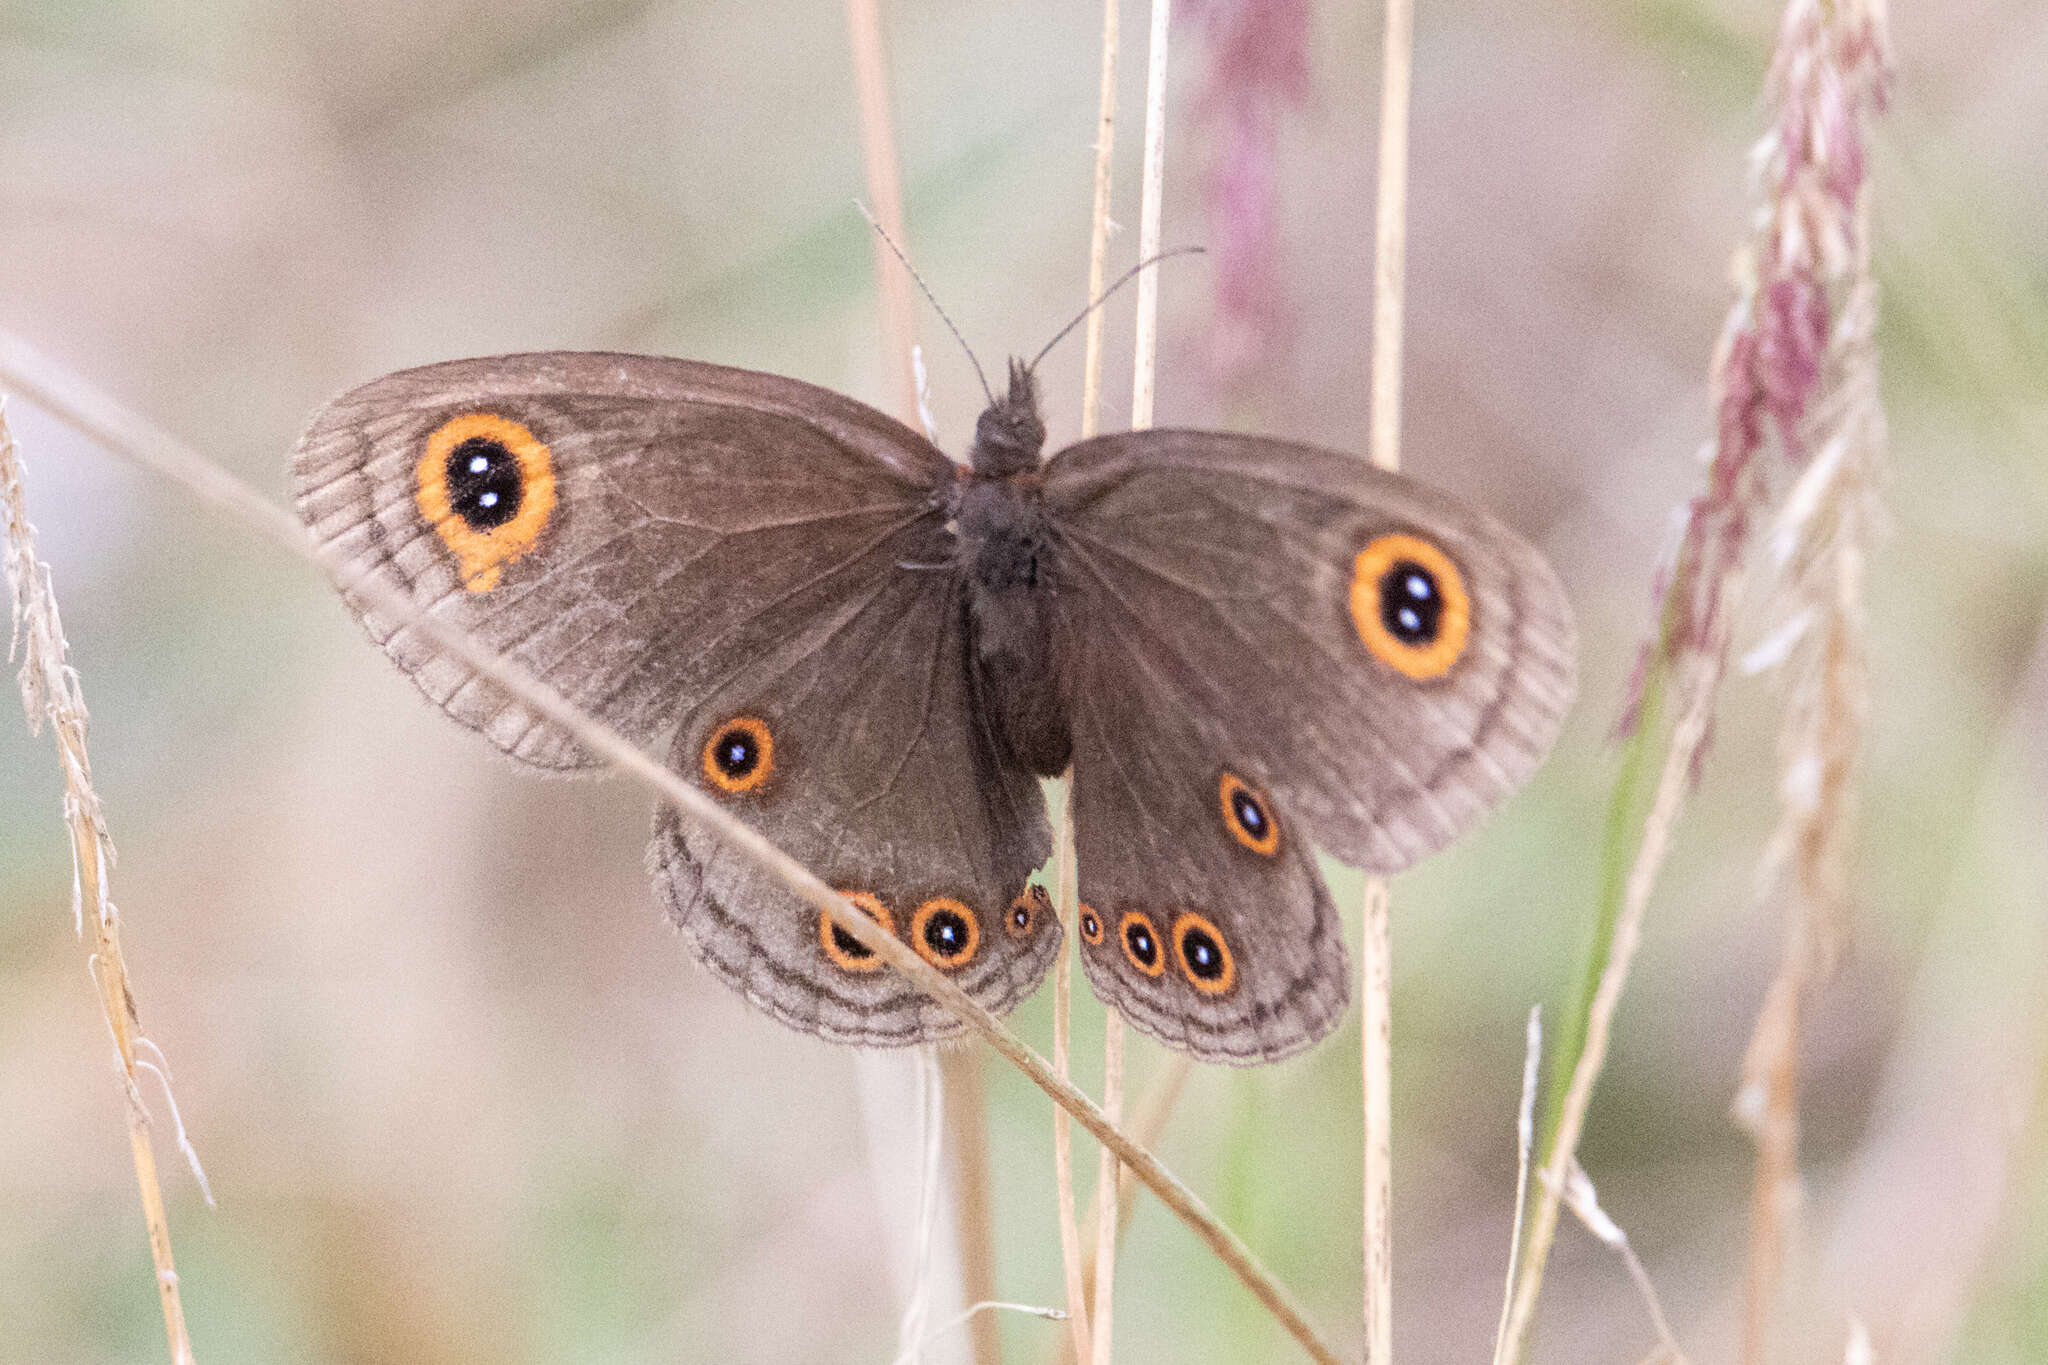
[(1098, 227), (1144, 373), (1073, 1250), (1065, 902), (1145, 344), (1376, 969), (51, 694), (967, 1138), (1102, 1294), (1148, 1121), (878, 155)]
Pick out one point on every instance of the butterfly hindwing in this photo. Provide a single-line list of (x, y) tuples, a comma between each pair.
[(1203, 919), (854, 747)]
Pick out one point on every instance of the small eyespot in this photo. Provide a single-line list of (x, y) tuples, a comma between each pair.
[(1141, 943), (843, 949), (486, 484), (740, 755), (1204, 957), (1248, 817), (1409, 606), (1091, 925), (944, 933), (1027, 911)]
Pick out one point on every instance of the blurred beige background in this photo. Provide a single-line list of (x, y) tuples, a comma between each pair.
[(461, 1093)]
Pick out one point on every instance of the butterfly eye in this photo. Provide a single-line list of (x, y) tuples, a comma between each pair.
[(1409, 606), (1204, 958), (1248, 816), (1027, 910), (1141, 943), (740, 755), (944, 933), (1091, 926), (486, 485), (846, 951)]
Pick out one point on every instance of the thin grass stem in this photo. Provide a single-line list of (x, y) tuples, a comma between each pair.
[(1376, 970), (51, 695)]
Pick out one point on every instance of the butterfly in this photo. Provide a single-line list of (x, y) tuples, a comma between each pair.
[(1243, 649)]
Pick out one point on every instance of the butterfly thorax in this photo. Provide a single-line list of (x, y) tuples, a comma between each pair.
[(1005, 545)]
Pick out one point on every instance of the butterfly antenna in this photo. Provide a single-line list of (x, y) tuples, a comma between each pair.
[(929, 297), (1103, 297)]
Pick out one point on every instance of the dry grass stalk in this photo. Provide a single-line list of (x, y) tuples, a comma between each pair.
[(1073, 1252), (1584, 1202), (1144, 377), (1798, 427), (1376, 965), (905, 360), (1830, 72), (1525, 1146), (120, 431), (878, 154), (51, 694), (1148, 1122), (1067, 901)]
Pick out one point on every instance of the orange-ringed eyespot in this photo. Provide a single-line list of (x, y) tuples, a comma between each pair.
[(944, 932), (1091, 925), (486, 484), (1204, 957), (1249, 818), (846, 951), (740, 755), (1141, 943), (1026, 911), (1409, 605)]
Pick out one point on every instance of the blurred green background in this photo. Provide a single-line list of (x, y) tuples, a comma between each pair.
[(461, 1093)]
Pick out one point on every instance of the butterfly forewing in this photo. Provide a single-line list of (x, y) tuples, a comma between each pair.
[(1386, 662), (606, 521)]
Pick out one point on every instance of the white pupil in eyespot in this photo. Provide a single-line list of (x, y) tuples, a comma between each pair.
[(479, 463), (1418, 587), (487, 500), (1409, 619)]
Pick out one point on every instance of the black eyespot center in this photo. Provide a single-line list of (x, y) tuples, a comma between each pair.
[(848, 944), (1204, 954), (945, 933), (1250, 814), (1142, 945), (1411, 603), (486, 485), (735, 752)]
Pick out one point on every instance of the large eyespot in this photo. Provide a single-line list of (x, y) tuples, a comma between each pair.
[(1091, 925), (1247, 815), (843, 949), (1141, 943), (1204, 957), (1409, 605), (740, 755), (486, 485), (1027, 912), (944, 933)]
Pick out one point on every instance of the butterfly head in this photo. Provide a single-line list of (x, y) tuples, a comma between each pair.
[(1010, 433)]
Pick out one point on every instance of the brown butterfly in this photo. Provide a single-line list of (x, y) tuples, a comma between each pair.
[(1245, 648)]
